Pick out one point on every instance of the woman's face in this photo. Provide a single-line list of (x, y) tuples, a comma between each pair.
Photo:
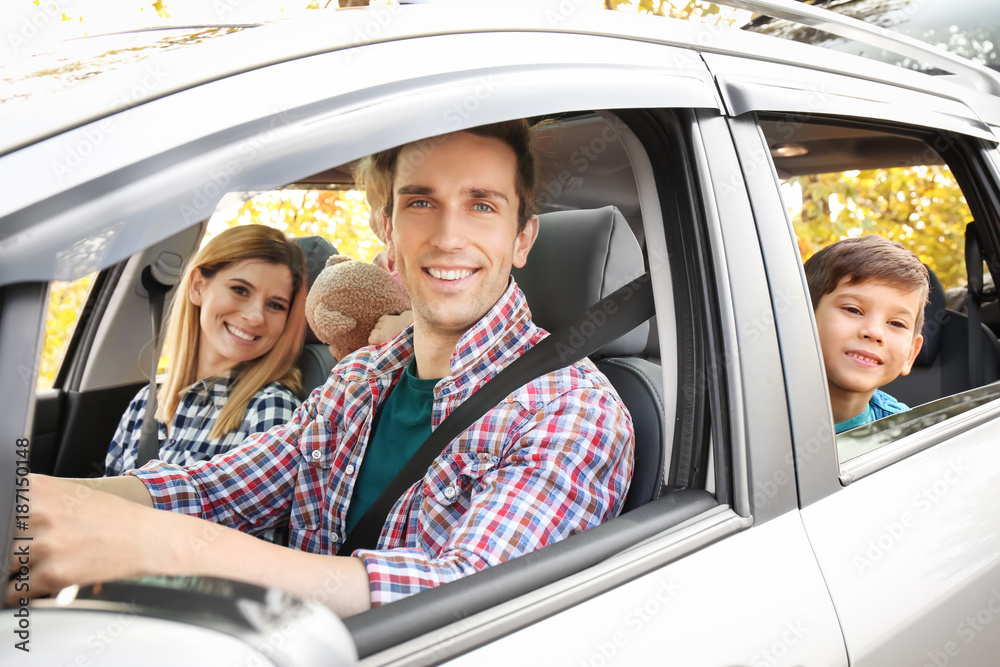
[(244, 308)]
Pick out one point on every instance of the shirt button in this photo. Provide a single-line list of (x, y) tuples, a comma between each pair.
[(349, 469), (317, 455), (449, 493)]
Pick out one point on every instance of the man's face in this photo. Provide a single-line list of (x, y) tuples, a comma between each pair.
[(867, 334), (453, 230)]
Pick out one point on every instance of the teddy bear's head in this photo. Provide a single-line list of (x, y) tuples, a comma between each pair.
[(347, 300)]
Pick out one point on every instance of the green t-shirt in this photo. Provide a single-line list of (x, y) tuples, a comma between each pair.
[(399, 427)]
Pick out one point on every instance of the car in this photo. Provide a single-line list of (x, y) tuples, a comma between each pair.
[(753, 534)]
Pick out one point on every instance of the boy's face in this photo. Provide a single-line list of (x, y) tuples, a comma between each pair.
[(867, 334)]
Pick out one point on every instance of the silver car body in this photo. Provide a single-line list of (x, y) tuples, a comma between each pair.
[(889, 558)]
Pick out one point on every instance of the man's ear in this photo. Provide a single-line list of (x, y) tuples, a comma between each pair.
[(196, 286), (524, 240), (918, 342)]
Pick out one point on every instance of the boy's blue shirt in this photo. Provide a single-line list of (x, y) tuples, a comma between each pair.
[(880, 405)]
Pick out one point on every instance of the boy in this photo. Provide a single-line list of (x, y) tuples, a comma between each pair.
[(868, 294)]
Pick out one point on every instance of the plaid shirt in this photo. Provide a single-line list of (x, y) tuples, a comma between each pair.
[(552, 459), (188, 441)]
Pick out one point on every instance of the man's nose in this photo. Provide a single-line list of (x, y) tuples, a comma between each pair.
[(449, 230)]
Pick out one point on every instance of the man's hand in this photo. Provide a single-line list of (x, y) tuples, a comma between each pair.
[(79, 536), (389, 326)]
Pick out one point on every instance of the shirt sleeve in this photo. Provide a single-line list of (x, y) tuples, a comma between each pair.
[(124, 444), (567, 468), (248, 488)]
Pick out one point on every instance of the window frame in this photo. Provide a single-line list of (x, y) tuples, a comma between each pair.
[(967, 159)]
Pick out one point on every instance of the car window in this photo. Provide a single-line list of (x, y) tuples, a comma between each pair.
[(843, 180), (920, 206), (66, 304), (337, 212)]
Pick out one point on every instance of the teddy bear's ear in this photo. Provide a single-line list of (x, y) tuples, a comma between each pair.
[(330, 323), (337, 259)]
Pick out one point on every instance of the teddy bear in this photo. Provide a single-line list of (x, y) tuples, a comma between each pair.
[(346, 301)]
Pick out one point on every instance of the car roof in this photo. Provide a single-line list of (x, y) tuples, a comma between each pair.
[(94, 77)]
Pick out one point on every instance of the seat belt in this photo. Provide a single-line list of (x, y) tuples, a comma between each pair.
[(157, 278), (974, 266), (600, 324)]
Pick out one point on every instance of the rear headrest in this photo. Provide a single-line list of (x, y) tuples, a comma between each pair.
[(316, 250), (934, 317), (579, 258)]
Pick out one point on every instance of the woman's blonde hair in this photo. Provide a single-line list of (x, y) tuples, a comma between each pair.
[(183, 326)]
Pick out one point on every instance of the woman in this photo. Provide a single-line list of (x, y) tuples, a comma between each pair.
[(235, 328)]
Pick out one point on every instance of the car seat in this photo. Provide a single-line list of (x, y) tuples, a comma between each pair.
[(579, 258), (315, 361), (942, 367)]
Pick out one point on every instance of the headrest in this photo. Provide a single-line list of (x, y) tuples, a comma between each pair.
[(579, 258), (934, 318), (316, 250)]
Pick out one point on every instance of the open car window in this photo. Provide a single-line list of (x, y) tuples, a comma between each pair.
[(840, 180), (630, 165)]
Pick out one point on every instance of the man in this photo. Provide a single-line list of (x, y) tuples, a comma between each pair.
[(553, 459)]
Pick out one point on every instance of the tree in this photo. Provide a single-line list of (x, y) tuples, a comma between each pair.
[(341, 216), (678, 9), (921, 207)]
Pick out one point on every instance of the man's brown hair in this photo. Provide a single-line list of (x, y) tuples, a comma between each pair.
[(867, 259), (517, 134)]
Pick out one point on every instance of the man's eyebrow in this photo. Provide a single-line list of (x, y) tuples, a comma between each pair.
[(416, 190), (244, 281), (485, 193)]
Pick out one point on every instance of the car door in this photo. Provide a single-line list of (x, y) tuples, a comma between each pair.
[(132, 201), (901, 521), (739, 585)]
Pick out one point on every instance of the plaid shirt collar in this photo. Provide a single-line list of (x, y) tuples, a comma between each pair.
[(482, 351), (214, 387)]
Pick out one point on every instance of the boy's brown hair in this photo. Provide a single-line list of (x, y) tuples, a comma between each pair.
[(867, 259), (517, 134)]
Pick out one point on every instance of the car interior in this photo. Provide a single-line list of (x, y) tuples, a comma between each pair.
[(593, 239)]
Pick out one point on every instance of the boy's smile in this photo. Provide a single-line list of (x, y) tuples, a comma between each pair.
[(866, 331)]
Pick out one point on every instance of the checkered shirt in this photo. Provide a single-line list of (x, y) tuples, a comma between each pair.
[(188, 441), (552, 459)]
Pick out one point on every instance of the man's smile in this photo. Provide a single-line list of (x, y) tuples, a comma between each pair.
[(450, 274)]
